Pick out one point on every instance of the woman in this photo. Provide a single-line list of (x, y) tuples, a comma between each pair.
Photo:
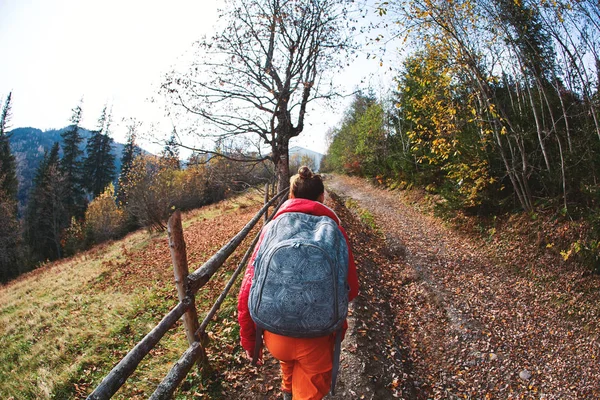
[(306, 363)]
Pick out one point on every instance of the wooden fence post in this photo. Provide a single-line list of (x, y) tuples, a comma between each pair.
[(186, 310), (180, 267)]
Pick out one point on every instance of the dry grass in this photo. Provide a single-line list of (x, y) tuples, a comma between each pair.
[(66, 324), (51, 320)]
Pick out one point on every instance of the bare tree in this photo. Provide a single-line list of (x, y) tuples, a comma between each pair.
[(256, 77)]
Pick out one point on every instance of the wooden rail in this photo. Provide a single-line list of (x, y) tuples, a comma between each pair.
[(187, 286)]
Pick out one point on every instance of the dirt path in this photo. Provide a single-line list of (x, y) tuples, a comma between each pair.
[(371, 363), (441, 315)]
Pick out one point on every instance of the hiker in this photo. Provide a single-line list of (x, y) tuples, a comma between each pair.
[(306, 362)]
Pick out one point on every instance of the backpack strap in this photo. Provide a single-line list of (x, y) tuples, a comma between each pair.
[(336, 359), (257, 345)]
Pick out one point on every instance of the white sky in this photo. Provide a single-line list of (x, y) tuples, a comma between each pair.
[(55, 52)]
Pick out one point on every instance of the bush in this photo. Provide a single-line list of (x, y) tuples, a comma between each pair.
[(73, 238), (192, 187), (153, 188), (104, 220), (150, 192)]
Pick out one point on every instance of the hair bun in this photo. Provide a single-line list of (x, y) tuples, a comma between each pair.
[(305, 172)]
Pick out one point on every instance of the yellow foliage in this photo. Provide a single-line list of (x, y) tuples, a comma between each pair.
[(103, 218), (471, 179)]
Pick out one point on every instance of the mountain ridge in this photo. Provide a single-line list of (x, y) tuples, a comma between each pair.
[(29, 144), (302, 151)]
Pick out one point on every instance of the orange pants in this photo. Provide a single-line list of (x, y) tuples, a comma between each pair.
[(305, 364)]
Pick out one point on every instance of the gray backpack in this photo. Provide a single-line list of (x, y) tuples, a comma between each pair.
[(300, 284)]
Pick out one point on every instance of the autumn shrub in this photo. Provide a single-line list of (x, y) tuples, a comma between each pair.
[(205, 183), (587, 248), (104, 220), (192, 185), (154, 188), (73, 238), (225, 176), (150, 192)]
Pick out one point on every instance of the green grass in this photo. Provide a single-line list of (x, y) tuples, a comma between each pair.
[(60, 325), (64, 327)]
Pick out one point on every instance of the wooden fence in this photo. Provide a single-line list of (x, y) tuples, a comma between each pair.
[(187, 286)]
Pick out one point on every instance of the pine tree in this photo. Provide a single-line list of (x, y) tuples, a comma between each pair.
[(529, 37), (46, 215), (9, 225), (99, 163), (130, 152), (10, 246), (170, 153), (8, 170), (71, 166)]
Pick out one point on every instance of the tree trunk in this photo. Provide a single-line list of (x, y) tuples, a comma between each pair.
[(562, 173), (538, 125), (281, 160), (566, 118), (283, 173)]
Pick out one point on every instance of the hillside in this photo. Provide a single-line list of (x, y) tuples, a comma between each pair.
[(441, 313), (28, 146), (65, 325)]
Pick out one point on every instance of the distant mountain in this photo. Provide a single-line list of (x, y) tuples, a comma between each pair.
[(297, 151), (28, 146)]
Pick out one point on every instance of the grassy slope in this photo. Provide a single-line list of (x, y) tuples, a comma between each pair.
[(65, 325)]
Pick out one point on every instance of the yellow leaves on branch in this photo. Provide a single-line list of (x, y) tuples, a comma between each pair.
[(432, 111), (471, 179)]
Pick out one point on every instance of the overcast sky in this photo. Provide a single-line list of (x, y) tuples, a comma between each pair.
[(55, 52)]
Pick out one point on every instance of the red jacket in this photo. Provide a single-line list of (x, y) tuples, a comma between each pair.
[(247, 327)]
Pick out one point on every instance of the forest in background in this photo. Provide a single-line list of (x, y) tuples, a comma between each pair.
[(78, 196), (495, 110)]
